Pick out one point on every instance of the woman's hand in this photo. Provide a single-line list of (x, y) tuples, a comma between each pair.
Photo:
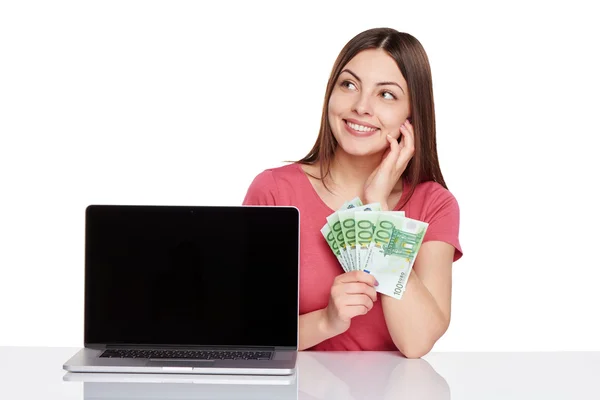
[(352, 294), (381, 182)]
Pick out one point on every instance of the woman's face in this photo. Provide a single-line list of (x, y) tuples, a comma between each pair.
[(369, 101)]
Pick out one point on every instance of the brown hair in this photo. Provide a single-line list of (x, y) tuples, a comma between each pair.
[(413, 63)]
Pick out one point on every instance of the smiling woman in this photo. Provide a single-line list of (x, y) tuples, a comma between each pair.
[(377, 141), (362, 106)]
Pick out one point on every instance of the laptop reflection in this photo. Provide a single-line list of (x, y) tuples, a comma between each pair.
[(98, 386)]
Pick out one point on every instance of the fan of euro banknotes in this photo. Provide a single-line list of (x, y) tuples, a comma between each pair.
[(382, 243)]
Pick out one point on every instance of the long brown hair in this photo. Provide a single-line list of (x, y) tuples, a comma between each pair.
[(413, 63)]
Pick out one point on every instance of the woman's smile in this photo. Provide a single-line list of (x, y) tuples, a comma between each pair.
[(359, 129)]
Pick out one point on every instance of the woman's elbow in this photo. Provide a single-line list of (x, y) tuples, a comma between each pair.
[(415, 351), (418, 347), (421, 345)]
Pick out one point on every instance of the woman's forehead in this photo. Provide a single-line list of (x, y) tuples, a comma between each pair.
[(375, 65)]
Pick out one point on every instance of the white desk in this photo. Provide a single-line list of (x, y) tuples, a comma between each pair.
[(36, 373)]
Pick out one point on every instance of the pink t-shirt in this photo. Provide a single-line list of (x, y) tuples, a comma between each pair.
[(289, 185)]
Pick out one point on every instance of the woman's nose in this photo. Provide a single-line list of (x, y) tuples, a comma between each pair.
[(362, 105)]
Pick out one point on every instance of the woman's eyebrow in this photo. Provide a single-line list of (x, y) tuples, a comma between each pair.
[(378, 83)]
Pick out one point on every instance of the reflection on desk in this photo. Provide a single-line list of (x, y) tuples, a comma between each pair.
[(368, 375), (171, 386), (36, 372), (326, 376)]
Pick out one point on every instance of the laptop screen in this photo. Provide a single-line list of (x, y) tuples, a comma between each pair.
[(179, 275)]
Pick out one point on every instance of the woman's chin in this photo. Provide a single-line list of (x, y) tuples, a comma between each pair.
[(361, 151)]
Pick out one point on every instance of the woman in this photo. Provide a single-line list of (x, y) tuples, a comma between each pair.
[(377, 142)]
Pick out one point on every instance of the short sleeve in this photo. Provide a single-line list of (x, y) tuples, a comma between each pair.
[(262, 191), (444, 222)]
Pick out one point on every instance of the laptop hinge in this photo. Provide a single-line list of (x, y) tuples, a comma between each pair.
[(187, 347)]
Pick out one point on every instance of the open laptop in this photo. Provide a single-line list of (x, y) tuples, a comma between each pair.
[(190, 290)]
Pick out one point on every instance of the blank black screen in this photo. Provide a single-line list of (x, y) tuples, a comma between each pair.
[(197, 276)]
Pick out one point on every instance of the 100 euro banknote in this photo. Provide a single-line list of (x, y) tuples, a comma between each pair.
[(348, 222), (333, 234), (364, 227), (328, 234), (392, 252)]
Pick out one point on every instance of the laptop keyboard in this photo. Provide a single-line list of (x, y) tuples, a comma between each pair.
[(188, 354)]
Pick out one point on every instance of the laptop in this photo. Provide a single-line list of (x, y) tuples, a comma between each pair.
[(190, 290)]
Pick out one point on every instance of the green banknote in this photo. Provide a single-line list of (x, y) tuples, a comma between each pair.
[(355, 202), (335, 229), (348, 222), (327, 233), (333, 221), (365, 222), (385, 243), (394, 247)]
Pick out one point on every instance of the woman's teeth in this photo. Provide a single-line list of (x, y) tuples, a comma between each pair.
[(360, 128)]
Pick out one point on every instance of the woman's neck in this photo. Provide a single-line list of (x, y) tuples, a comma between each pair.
[(351, 172), (348, 173)]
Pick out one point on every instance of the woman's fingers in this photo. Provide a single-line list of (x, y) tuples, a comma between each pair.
[(361, 288), (408, 148), (410, 136), (394, 146), (394, 151), (358, 300), (357, 276), (355, 283)]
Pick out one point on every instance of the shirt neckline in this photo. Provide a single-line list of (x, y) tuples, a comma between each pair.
[(318, 198)]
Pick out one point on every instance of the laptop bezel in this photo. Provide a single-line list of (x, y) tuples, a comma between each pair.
[(104, 346)]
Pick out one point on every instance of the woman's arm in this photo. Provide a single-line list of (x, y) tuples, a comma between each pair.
[(313, 329), (422, 315), (352, 294)]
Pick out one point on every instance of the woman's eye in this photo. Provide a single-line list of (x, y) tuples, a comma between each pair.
[(348, 85), (389, 95)]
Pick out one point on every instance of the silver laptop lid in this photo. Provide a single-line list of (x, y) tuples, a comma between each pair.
[(206, 276)]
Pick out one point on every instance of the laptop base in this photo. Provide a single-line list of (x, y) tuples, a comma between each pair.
[(89, 360)]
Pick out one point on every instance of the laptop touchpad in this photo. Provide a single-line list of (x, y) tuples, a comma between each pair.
[(180, 363)]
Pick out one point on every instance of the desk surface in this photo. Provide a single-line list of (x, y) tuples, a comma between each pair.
[(36, 373)]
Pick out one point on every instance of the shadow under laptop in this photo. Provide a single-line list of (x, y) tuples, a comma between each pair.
[(122, 386)]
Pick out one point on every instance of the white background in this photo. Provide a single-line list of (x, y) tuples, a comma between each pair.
[(185, 102)]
